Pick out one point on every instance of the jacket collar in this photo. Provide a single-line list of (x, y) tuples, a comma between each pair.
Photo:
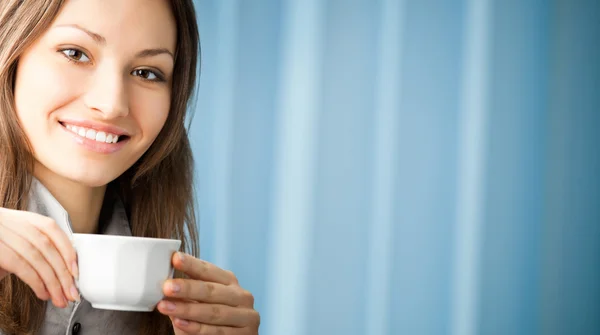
[(42, 202)]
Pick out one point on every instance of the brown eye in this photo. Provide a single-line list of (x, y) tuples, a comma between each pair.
[(147, 75), (76, 55)]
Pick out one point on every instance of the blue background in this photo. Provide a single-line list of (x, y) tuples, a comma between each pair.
[(403, 166)]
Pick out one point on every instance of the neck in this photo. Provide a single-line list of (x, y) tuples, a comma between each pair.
[(82, 203)]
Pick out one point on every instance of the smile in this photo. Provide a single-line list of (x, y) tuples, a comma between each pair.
[(98, 136), (100, 141)]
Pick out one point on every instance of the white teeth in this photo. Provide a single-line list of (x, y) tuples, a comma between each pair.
[(101, 136), (91, 134)]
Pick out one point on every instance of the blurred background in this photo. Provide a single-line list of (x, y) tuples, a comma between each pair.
[(377, 167)]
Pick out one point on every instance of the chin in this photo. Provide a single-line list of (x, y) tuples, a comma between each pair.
[(92, 178), (96, 175), (81, 170), (93, 181)]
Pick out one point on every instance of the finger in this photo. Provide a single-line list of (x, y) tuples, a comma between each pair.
[(60, 240), (191, 327), (203, 270), (32, 255), (13, 263), (212, 314), (208, 292), (47, 247)]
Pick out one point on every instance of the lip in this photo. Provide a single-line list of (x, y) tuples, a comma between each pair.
[(97, 126), (93, 145)]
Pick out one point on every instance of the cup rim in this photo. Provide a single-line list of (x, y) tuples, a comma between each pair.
[(123, 237)]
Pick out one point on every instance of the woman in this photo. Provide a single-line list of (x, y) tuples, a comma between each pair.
[(93, 97)]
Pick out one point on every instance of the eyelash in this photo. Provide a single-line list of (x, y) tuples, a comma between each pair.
[(158, 75)]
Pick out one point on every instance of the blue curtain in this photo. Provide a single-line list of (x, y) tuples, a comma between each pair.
[(403, 166)]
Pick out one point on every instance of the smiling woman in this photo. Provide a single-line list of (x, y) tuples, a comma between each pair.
[(86, 72), (93, 99)]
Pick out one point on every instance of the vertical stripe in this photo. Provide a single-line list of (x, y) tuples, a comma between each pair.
[(474, 106), (387, 109), (223, 134), (294, 176)]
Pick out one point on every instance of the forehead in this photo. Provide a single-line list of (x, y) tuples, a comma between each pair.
[(124, 23)]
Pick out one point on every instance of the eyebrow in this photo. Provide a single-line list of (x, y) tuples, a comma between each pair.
[(101, 40), (154, 52), (98, 38)]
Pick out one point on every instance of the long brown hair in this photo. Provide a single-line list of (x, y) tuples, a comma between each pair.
[(157, 191)]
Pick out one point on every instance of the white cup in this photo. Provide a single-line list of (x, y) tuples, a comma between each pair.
[(122, 272)]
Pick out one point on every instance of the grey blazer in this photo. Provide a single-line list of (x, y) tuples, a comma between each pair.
[(81, 318)]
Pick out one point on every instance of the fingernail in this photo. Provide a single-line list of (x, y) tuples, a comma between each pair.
[(169, 306), (75, 270), (75, 293), (174, 287), (181, 256), (182, 322)]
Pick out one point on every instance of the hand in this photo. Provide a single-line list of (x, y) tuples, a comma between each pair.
[(36, 250), (210, 302)]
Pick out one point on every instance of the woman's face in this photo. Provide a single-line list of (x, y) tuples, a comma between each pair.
[(93, 92)]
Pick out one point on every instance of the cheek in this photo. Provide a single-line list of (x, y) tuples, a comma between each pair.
[(151, 110), (41, 87)]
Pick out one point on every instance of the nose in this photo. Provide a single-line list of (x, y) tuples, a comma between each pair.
[(107, 94)]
